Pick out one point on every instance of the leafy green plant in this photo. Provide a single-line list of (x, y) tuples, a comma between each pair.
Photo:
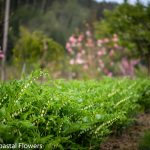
[(144, 99), (144, 143), (65, 114)]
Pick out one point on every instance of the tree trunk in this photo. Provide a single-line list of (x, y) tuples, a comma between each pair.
[(148, 62), (5, 38), (43, 6)]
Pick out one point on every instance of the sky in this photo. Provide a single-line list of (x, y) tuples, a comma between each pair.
[(120, 1)]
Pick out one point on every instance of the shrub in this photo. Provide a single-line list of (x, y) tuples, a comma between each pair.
[(36, 49), (104, 56)]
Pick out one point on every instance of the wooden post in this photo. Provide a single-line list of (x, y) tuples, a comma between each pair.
[(5, 38)]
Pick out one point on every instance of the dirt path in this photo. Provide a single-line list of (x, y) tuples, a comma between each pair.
[(129, 139)]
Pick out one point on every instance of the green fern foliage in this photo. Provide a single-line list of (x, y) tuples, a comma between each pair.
[(64, 114)]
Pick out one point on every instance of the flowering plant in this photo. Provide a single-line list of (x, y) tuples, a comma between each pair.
[(103, 56), (1, 54)]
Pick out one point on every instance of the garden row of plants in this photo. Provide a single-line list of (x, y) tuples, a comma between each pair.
[(71, 114)]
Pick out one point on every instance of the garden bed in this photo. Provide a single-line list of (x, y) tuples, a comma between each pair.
[(69, 114)]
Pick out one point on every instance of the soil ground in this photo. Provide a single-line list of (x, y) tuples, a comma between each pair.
[(129, 140)]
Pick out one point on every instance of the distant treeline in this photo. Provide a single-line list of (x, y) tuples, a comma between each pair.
[(58, 19)]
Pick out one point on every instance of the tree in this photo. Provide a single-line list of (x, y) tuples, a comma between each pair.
[(1, 19), (132, 24), (36, 50), (5, 38)]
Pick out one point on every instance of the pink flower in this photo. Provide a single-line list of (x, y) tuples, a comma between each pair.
[(88, 33), (72, 62), (109, 74), (70, 50), (68, 45), (134, 62), (125, 63), (80, 38), (1, 54), (72, 39), (100, 53), (99, 42), (126, 67), (115, 38), (79, 61)]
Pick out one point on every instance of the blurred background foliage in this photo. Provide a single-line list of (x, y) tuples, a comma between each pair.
[(40, 30), (132, 24), (36, 49)]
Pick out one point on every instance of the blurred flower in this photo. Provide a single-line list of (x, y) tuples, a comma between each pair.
[(127, 67), (80, 38), (99, 42), (100, 53), (88, 33), (125, 63), (90, 53), (134, 62), (2, 55), (109, 74), (68, 45), (70, 50), (72, 39), (72, 62), (115, 38), (79, 61)]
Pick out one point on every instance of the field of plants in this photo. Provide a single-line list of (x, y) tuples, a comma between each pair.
[(75, 74), (73, 114)]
